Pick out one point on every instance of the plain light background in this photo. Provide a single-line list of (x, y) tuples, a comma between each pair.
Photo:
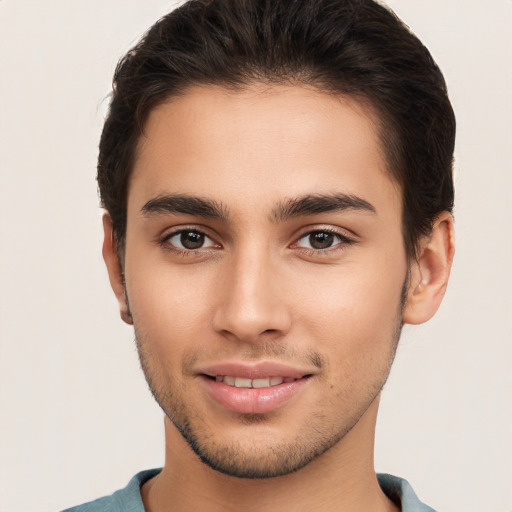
[(76, 419)]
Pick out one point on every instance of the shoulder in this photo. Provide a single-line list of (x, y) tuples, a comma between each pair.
[(400, 492), (124, 500), (105, 504)]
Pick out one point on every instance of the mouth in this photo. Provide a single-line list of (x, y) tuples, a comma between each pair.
[(254, 389), (244, 382)]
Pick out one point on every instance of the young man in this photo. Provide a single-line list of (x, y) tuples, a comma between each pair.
[(277, 183)]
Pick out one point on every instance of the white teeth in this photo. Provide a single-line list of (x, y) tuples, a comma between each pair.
[(260, 383), (242, 382)]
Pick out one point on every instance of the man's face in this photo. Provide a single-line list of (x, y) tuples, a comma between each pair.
[(264, 269)]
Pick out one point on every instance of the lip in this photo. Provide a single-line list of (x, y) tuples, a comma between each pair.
[(254, 400), (259, 370)]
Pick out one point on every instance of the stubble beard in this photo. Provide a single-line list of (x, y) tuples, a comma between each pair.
[(245, 460)]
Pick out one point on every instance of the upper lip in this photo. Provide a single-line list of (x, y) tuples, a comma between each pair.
[(258, 370)]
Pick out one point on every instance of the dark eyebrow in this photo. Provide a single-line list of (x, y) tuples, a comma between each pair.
[(184, 204), (315, 204)]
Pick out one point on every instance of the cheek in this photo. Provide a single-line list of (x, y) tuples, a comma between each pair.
[(169, 307), (357, 313), (355, 328)]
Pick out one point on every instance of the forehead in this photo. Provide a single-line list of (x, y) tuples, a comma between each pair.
[(260, 144)]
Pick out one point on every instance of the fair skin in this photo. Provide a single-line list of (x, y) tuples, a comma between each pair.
[(264, 244)]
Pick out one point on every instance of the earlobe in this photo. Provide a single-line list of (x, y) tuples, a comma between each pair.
[(114, 268), (430, 272)]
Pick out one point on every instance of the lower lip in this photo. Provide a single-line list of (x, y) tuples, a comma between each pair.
[(253, 400)]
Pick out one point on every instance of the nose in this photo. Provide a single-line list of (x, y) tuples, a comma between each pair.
[(252, 300)]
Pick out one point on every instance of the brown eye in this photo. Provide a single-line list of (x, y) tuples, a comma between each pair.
[(189, 240), (192, 239), (321, 240)]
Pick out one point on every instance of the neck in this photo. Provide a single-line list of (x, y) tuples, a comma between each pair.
[(343, 478)]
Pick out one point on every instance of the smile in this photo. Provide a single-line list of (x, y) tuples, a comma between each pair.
[(253, 396), (242, 382), (254, 388)]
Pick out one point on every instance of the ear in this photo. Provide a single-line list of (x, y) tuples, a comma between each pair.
[(430, 272), (114, 268)]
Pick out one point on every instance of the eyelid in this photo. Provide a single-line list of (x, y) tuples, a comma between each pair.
[(343, 233), (308, 235), (164, 238), (207, 241), (344, 239)]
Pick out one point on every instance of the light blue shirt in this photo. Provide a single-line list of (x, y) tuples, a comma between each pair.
[(129, 498)]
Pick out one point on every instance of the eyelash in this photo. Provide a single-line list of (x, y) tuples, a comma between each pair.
[(340, 245), (165, 244), (342, 242)]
